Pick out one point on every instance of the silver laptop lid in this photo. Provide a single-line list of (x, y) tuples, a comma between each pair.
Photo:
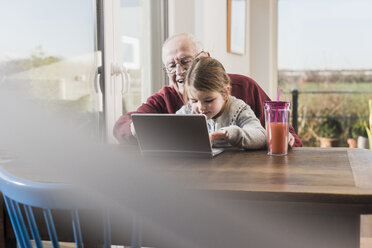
[(172, 133)]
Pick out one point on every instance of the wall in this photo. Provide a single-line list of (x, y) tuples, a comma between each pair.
[(181, 16), (207, 20), (263, 51)]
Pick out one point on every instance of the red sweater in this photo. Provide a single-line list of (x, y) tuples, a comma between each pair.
[(169, 100)]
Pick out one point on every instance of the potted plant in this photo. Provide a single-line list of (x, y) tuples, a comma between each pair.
[(352, 138), (328, 132), (369, 129), (359, 132)]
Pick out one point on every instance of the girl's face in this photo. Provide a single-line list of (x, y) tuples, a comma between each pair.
[(208, 103)]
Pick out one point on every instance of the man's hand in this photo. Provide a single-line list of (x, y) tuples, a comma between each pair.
[(133, 131), (291, 140), (218, 135)]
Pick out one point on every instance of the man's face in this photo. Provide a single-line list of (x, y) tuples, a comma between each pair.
[(178, 55)]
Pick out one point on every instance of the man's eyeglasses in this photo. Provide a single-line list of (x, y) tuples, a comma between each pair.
[(185, 62)]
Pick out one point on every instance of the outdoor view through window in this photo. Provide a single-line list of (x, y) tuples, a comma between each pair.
[(51, 58), (325, 51)]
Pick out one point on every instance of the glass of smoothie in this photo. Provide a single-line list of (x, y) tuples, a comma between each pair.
[(277, 126)]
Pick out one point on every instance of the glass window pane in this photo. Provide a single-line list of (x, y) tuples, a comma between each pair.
[(141, 47), (324, 51), (49, 50), (131, 31)]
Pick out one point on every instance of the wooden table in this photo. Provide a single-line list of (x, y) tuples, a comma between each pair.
[(333, 183), (319, 192)]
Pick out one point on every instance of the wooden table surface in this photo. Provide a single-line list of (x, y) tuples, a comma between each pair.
[(325, 179), (343, 173), (326, 174), (334, 182)]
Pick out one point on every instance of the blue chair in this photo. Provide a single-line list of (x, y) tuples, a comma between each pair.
[(20, 193)]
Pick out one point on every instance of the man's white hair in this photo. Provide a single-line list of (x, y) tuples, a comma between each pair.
[(198, 45)]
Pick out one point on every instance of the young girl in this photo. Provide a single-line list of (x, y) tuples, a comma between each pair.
[(230, 120)]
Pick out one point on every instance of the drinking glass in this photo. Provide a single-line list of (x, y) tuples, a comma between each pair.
[(277, 126)]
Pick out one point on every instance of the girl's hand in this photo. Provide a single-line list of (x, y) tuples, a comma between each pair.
[(291, 140), (218, 135), (133, 131)]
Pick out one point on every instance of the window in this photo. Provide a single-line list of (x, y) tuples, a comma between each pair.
[(324, 51), (50, 53), (53, 50), (134, 33), (142, 34)]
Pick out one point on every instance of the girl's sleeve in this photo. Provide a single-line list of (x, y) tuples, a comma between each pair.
[(248, 132), (181, 111)]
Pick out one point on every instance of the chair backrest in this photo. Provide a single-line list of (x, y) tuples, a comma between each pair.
[(30, 196)]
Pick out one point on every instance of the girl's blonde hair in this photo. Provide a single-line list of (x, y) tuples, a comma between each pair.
[(206, 74)]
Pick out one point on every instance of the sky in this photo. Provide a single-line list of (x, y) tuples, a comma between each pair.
[(312, 34), (324, 34), (62, 28)]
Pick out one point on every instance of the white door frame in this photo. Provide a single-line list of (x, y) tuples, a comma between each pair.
[(114, 81)]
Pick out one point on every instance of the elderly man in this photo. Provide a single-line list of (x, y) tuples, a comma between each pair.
[(178, 53)]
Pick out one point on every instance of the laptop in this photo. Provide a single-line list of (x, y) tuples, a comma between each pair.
[(174, 135)]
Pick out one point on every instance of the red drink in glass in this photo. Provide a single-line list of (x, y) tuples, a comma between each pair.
[(278, 140), (277, 127)]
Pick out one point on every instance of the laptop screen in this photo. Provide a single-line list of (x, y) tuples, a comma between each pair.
[(170, 132)]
